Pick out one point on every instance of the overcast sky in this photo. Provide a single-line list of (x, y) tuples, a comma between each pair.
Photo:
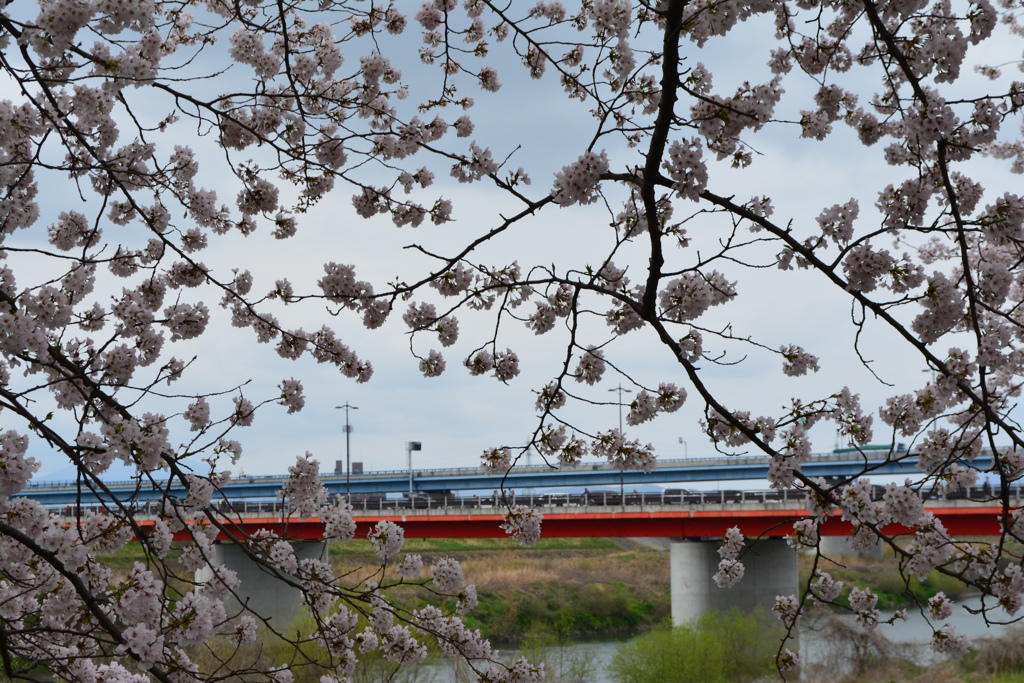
[(457, 416)]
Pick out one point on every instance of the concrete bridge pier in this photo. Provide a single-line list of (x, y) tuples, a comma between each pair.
[(770, 570), (262, 592), (839, 546)]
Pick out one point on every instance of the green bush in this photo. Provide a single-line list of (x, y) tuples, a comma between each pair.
[(717, 648)]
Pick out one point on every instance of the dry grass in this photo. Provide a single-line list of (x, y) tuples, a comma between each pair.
[(516, 570), (900, 672), (566, 590), (501, 573), (853, 655), (889, 672), (509, 570)]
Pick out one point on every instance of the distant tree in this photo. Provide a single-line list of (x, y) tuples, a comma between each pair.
[(136, 135)]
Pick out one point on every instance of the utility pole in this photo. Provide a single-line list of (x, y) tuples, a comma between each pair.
[(622, 474), (348, 452), (621, 391), (411, 446)]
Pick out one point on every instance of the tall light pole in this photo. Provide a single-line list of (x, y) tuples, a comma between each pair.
[(621, 392), (622, 474), (348, 456), (411, 446)]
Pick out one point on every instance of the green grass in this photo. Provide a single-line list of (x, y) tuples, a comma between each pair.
[(595, 609), (122, 559), (454, 545)]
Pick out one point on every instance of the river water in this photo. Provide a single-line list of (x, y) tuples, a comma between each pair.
[(827, 643)]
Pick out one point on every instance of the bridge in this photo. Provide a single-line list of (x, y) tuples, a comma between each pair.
[(961, 518), (666, 514), (696, 515), (693, 521), (841, 464)]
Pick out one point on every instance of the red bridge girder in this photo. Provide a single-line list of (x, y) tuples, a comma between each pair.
[(964, 520)]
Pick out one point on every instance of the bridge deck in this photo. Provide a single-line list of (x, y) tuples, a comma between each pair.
[(723, 469), (961, 518)]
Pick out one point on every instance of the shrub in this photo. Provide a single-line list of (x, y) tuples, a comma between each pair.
[(718, 647)]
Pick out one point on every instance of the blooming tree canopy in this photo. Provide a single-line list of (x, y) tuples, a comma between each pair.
[(137, 136)]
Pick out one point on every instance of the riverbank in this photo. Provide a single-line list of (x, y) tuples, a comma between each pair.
[(574, 587), (841, 651), (544, 601), (883, 577), (600, 587), (588, 587)]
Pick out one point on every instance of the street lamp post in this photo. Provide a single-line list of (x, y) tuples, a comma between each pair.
[(622, 474), (348, 456), (411, 446)]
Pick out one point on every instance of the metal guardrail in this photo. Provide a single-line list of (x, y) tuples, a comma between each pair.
[(334, 476), (380, 502), (846, 455)]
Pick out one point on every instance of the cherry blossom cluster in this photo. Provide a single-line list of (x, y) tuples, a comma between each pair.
[(15, 469), (864, 602), (496, 460), (686, 168), (97, 298), (946, 641), (447, 575), (688, 297), (577, 182), (646, 405), (522, 524), (903, 505), (825, 589), (387, 539), (730, 569), (623, 453), (931, 546), (796, 361), (302, 488), (787, 609), (804, 534), (555, 441)]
